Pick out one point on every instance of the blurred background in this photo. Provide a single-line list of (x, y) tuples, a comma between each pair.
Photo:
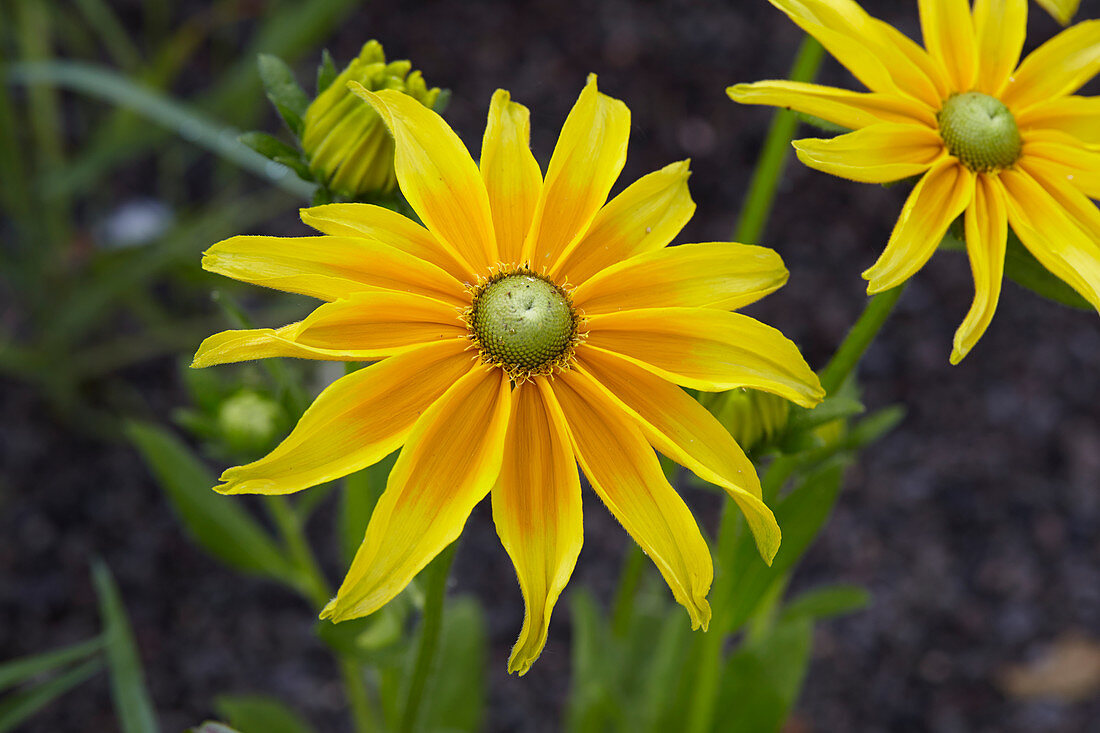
[(973, 525)]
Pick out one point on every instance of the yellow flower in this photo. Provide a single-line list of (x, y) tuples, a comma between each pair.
[(344, 139), (526, 327), (991, 139)]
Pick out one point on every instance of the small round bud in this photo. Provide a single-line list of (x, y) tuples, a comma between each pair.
[(980, 131), (249, 422)]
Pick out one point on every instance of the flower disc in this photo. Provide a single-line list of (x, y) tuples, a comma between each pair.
[(523, 323), (980, 131)]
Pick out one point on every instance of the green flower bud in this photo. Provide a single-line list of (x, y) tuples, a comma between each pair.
[(249, 422), (752, 417), (345, 141)]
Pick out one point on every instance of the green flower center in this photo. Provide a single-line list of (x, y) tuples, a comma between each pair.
[(523, 324), (980, 131)]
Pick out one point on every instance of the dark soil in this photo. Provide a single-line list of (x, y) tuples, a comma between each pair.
[(974, 525)]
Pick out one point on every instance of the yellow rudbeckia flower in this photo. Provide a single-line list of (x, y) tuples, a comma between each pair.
[(996, 141), (526, 327)]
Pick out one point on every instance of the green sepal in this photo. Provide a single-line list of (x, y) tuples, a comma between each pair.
[(439, 106), (283, 91), (326, 72)]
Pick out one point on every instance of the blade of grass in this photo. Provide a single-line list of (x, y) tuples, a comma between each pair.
[(14, 709), (20, 670), (116, 41), (131, 699), (190, 124)]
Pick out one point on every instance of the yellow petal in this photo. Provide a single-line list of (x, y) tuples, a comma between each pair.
[(449, 462), (646, 216), (949, 37), (1061, 10), (358, 420), (1066, 242), (590, 153), (876, 54), (328, 267), (624, 471), (388, 227), (1063, 156), (722, 275), (364, 327), (999, 27), (686, 432), (537, 511), (880, 153), (1077, 116), (986, 235), (1060, 66), (852, 110), (437, 175), (707, 349), (512, 176), (940, 196)]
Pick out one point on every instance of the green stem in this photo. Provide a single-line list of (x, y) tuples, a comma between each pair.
[(430, 626), (356, 689), (315, 588), (846, 358), (754, 215), (777, 146)]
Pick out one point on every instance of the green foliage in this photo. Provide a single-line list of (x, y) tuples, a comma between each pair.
[(1023, 269), (761, 680), (18, 707), (283, 90), (454, 699), (259, 714), (216, 523), (17, 671), (131, 699)]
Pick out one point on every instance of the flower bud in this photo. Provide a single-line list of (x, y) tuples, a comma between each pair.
[(345, 141), (249, 422), (752, 417)]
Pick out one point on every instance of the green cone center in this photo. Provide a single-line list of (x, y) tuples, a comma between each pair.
[(980, 131), (523, 323)]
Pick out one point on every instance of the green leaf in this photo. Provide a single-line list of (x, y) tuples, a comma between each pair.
[(131, 698), (455, 696), (17, 707), (592, 706), (259, 714), (874, 426), (835, 407), (832, 600), (20, 670), (283, 91), (762, 680), (217, 523), (801, 514), (326, 72), (268, 146), (1022, 268)]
